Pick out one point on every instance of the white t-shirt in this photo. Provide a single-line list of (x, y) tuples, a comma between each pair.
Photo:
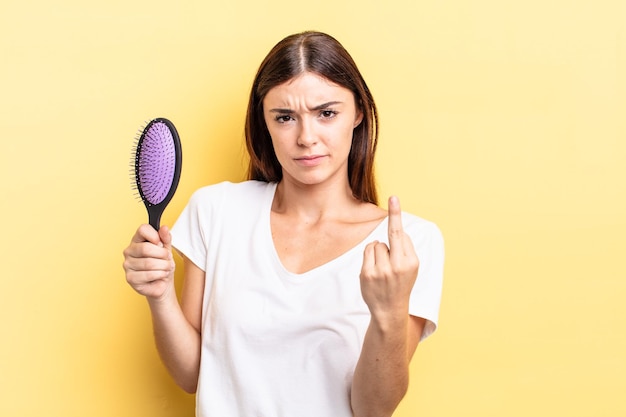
[(275, 343)]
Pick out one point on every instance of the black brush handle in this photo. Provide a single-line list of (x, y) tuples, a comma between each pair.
[(154, 215)]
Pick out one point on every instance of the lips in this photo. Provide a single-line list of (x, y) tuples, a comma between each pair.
[(310, 160)]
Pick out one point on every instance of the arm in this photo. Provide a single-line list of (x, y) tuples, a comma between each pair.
[(382, 373), (149, 267), (387, 277)]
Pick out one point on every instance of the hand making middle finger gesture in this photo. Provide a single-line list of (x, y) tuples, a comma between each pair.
[(389, 272)]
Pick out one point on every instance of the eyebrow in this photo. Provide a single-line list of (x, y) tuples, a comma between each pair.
[(320, 107)]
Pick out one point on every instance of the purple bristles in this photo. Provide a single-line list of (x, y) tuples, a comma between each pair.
[(156, 163)]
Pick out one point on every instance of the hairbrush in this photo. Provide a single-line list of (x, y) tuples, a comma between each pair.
[(157, 166)]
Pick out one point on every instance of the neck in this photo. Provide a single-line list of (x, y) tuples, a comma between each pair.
[(313, 202)]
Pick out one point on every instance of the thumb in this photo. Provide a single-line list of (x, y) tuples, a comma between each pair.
[(166, 237)]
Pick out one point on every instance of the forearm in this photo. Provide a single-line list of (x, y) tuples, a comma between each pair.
[(381, 376), (177, 341)]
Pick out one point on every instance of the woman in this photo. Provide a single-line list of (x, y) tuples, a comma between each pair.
[(301, 297)]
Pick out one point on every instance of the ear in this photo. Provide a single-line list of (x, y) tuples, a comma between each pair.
[(358, 118)]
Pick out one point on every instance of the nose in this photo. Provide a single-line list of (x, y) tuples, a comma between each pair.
[(307, 136)]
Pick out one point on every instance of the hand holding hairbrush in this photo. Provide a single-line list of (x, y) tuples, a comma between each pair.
[(157, 161)]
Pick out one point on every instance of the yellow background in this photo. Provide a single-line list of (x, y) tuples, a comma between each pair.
[(502, 121)]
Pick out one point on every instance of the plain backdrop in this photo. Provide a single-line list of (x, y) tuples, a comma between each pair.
[(501, 121)]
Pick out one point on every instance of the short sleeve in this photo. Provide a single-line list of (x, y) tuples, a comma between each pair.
[(190, 232), (426, 294)]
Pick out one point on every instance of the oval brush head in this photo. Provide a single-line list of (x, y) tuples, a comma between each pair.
[(157, 162)]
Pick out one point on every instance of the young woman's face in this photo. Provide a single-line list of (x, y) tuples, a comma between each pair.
[(311, 121)]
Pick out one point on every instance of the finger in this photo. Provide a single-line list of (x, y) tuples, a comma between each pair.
[(395, 230), (382, 257), (146, 233), (138, 278), (147, 243), (166, 237), (149, 264), (369, 257)]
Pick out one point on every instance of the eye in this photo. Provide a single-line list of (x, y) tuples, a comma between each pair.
[(328, 114), (283, 118)]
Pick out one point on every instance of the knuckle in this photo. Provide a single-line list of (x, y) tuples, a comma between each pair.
[(397, 269), (130, 278), (405, 267), (382, 246), (150, 264), (366, 274), (371, 274), (395, 232)]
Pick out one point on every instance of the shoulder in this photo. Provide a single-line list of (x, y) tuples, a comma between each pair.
[(421, 230), (224, 202), (230, 191)]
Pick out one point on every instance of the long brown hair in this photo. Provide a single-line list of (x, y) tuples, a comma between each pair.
[(321, 54)]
